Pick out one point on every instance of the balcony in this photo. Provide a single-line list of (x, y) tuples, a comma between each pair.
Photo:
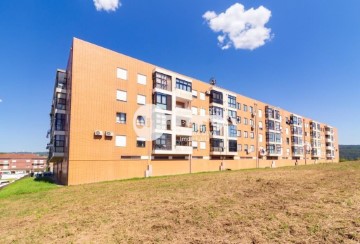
[(56, 154), (162, 149), (183, 112), (183, 130), (330, 156), (329, 148), (187, 95), (183, 150), (328, 140), (272, 153), (329, 133)]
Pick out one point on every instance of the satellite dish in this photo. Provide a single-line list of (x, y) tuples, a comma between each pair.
[(212, 81)]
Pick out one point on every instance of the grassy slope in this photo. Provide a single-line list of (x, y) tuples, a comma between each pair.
[(306, 204), (25, 186)]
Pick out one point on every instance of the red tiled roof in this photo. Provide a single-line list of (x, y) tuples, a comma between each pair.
[(21, 156)]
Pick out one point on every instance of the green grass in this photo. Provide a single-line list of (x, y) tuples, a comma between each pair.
[(26, 186)]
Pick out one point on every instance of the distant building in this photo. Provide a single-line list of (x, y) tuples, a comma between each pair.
[(22, 162), (101, 122)]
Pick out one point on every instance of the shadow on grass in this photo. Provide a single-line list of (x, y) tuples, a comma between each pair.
[(45, 179)]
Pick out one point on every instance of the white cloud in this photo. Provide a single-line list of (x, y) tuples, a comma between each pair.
[(107, 5), (243, 29), (0, 100)]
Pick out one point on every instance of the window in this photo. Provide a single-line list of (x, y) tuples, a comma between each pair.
[(260, 113), (202, 145), (120, 141), (194, 110), (216, 97), (194, 93), (121, 95), (162, 81), (239, 147), (252, 135), (260, 125), (140, 142), (232, 114), (287, 131), (232, 101), (252, 122), (238, 105), (246, 147), (140, 120), (202, 96), (183, 85), (141, 79), (245, 108), (232, 146), (217, 111), (287, 151), (163, 142), (202, 112), (216, 145), (61, 103), (202, 128), (260, 138), (141, 99), (121, 118), (252, 148), (251, 109), (194, 144), (287, 140), (246, 121), (216, 129), (246, 134), (60, 122), (162, 121), (238, 133), (195, 127), (59, 143), (162, 101), (121, 73), (232, 131)]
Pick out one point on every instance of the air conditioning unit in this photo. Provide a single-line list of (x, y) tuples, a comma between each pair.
[(207, 92), (253, 114), (98, 133), (109, 134)]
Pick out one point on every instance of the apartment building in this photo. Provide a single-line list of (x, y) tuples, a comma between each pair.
[(22, 162), (116, 117)]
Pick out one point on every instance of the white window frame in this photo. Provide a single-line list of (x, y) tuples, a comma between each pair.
[(141, 79), (121, 73), (202, 96), (194, 110), (121, 95), (202, 112), (202, 145), (141, 99), (194, 93), (120, 141)]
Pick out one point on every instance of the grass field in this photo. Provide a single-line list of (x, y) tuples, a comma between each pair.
[(305, 204), (25, 186)]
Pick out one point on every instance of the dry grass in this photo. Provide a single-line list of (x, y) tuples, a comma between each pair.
[(307, 204)]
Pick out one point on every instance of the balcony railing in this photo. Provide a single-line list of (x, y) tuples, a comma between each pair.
[(216, 149), (165, 147)]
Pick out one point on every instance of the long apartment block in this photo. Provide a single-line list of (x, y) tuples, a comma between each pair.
[(116, 117)]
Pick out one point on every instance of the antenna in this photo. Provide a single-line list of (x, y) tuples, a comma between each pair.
[(213, 81)]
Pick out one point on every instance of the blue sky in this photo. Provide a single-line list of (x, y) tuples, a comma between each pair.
[(310, 64)]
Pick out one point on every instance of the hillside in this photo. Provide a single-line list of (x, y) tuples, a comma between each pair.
[(301, 204), (349, 152)]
